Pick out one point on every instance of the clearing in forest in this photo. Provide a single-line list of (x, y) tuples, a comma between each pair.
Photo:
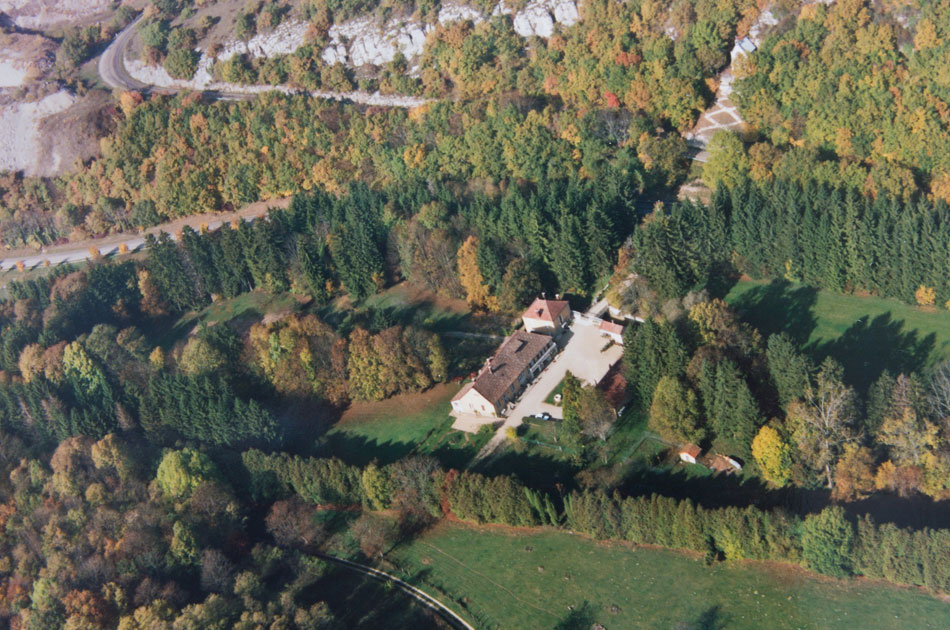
[(556, 580)]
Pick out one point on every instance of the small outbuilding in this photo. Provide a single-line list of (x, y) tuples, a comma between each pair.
[(724, 464), (689, 453), (612, 330)]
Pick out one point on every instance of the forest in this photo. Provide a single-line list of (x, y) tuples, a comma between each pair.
[(703, 374), (162, 469), (853, 92)]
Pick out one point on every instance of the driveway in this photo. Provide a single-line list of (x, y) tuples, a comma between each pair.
[(581, 355)]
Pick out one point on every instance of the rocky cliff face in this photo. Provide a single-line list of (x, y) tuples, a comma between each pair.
[(365, 40)]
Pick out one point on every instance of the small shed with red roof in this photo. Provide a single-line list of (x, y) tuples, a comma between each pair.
[(690, 453), (612, 330)]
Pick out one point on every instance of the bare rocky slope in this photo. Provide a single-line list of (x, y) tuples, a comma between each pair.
[(39, 15)]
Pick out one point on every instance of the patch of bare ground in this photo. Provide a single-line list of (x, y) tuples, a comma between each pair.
[(418, 295), (695, 190), (73, 135), (402, 405), (24, 58), (287, 311), (39, 15)]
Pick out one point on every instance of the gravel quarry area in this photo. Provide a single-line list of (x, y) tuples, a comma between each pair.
[(22, 145), (23, 58), (39, 15)]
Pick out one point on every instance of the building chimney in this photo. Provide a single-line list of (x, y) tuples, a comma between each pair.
[(491, 370), (544, 295), (557, 296)]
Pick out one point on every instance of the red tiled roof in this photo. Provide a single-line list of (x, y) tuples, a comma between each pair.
[(611, 327), (545, 310), (692, 450)]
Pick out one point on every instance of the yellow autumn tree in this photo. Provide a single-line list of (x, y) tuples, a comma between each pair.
[(940, 186), (128, 101), (925, 296), (773, 455), (477, 292), (926, 35)]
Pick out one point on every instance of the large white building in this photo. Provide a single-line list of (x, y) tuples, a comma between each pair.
[(519, 359)]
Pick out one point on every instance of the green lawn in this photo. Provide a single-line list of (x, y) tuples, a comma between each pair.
[(241, 311), (866, 334), (528, 581), (410, 424), (630, 441), (540, 460), (402, 304), (559, 389)]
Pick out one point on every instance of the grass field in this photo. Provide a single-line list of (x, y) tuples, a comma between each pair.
[(403, 304), (241, 311), (529, 580), (866, 334), (409, 424)]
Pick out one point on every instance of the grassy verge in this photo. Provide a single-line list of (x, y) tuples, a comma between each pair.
[(866, 334), (556, 580)]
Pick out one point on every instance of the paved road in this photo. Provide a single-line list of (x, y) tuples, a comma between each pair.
[(113, 70), (421, 596), (112, 62), (109, 245)]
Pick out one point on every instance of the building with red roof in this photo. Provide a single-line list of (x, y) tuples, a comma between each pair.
[(690, 453), (547, 316), (612, 330)]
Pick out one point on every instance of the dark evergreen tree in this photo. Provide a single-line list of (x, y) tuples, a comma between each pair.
[(789, 369)]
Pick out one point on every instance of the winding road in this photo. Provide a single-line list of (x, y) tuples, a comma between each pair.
[(113, 243), (115, 73), (112, 62)]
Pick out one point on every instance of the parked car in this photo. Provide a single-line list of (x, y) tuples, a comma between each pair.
[(543, 416)]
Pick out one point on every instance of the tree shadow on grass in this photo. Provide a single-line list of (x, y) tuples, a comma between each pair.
[(579, 618), (721, 491), (360, 451), (710, 619), (871, 346), (424, 314), (780, 307), (358, 601), (865, 350), (537, 471)]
